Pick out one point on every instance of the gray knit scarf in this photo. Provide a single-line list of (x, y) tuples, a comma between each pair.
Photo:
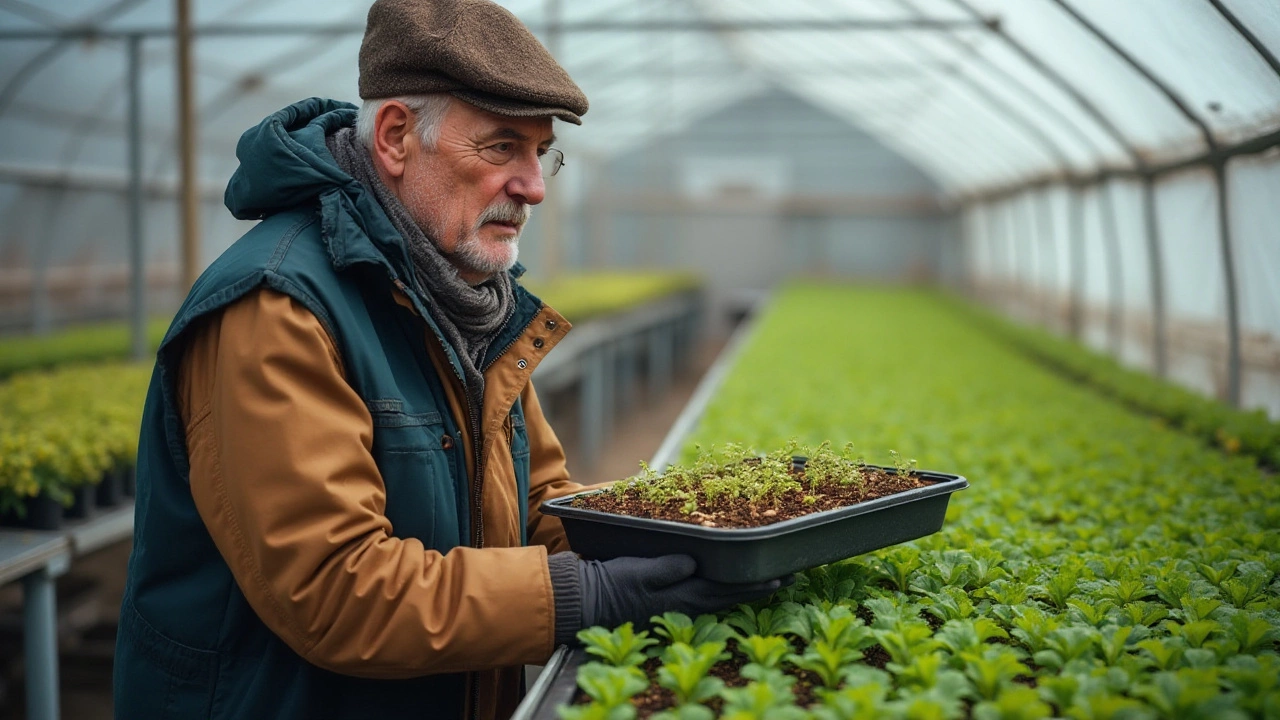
[(469, 316)]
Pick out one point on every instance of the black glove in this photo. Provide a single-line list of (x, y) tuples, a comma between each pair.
[(633, 589)]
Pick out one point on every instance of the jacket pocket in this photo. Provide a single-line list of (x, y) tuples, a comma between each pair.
[(410, 450), (157, 677)]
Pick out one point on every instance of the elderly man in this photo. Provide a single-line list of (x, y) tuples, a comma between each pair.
[(342, 456)]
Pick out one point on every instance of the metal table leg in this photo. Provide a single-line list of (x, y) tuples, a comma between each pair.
[(40, 631)]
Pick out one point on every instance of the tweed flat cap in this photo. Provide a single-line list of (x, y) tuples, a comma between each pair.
[(474, 50)]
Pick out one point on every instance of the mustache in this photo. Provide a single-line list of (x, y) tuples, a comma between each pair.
[(507, 211)]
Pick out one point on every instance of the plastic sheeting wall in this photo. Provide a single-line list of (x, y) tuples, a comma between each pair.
[(1025, 258)]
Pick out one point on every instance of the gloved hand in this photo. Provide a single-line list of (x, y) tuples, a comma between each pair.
[(633, 589)]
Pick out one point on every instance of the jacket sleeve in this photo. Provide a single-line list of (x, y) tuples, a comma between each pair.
[(283, 476), (548, 475)]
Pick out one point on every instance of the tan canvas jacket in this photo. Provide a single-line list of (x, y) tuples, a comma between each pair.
[(282, 476)]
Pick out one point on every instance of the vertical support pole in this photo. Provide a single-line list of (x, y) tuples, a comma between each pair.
[(964, 236), (1025, 260), (1229, 275), (1013, 297), (41, 302), (1075, 236), (553, 203), (1159, 341), (1049, 251), (137, 270), (40, 644), (994, 259), (1115, 271), (187, 134)]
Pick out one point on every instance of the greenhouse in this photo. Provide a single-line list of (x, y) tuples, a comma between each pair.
[(907, 359)]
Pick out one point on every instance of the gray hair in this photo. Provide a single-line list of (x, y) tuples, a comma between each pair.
[(429, 111)]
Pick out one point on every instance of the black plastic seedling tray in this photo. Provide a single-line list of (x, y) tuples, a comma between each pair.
[(741, 555)]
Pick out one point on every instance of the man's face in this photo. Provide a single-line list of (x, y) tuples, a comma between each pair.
[(472, 193)]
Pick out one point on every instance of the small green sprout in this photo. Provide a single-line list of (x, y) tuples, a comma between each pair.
[(684, 671), (622, 647)]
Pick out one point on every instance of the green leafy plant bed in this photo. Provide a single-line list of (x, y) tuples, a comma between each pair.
[(1111, 567), (762, 517)]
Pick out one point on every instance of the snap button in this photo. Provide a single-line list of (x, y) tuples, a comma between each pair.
[(522, 363), (537, 342), (551, 324), (446, 442)]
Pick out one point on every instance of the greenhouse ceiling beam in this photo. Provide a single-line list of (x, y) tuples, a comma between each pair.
[(1018, 86), (1000, 106), (1253, 146), (1219, 166), (1263, 51), (1059, 80), (575, 27)]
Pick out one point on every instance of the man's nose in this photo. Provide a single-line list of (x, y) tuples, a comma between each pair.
[(527, 185)]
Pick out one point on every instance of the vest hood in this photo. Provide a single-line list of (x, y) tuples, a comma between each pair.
[(284, 161)]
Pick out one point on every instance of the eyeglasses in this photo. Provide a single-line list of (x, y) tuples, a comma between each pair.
[(501, 153), (552, 160)]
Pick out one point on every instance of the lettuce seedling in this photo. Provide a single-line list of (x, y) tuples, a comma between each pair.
[(950, 604), (1032, 626), (621, 647), (1195, 632), (1164, 653), (1013, 703), (1144, 613), (782, 618), (762, 701), (1188, 693), (765, 651), (1114, 645), (1066, 645), (1244, 592), (678, 628), (897, 566), (907, 641), (840, 627), (826, 660), (1252, 634), (1256, 681), (684, 671), (609, 685), (991, 670), (959, 636), (1203, 608), (857, 702)]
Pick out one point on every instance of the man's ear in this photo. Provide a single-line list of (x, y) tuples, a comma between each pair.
[(392, 131)]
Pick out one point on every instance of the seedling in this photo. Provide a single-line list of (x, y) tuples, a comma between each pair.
[(684, 671), (785, 617), (676, 627), (609, 685), (621, 647), (827, 660)]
